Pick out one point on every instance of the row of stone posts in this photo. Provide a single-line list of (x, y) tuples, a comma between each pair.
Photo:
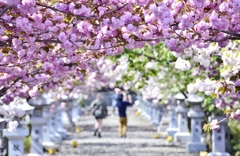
[(49, 124), (179, 113)]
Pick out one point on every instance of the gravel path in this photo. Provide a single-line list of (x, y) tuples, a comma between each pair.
[(139, 141)]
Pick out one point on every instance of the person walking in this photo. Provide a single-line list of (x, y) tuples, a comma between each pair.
[(99, 111), (117, 91), (122, 107)]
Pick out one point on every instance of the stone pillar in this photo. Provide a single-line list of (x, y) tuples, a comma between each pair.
[(66, 118), (162, 128), (172, 128), (58, 121), (182, 120), (2, 126), (152, 112), (15, 141), (69, 113), (36, 133), (46, 139), (149, 109), (158, 114), (55, 136), (39, 118), (218, 139), (196, 114), (76, 108), (145, 109)]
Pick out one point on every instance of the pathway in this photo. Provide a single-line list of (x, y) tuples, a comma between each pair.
[(139, 141)]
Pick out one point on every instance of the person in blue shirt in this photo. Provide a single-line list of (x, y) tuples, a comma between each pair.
[(117, 91), (122, 107)]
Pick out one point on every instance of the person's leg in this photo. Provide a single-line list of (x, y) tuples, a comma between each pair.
[(114, 109), (96, 127), (99, 127), (120, 127), (124, 127)]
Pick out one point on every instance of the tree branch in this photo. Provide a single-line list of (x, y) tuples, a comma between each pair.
[(48, 40), (81, 17), (5, 10)]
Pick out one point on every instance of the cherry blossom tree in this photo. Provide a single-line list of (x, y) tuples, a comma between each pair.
[(44, 44)]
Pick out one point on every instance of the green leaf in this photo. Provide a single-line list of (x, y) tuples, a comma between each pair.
[(211, 108), (68, 18), (206, 127), (233, 78), (214, 95)]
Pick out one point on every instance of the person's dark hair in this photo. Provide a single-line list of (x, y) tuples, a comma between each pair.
[(120, 97)]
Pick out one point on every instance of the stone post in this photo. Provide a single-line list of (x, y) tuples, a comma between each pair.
[(158, 115), (182, 120), (36, 133), (39, 118), (15, 141), (144, 111), (58, 121), (172, 128), (55, 136), (46, 139), (196, 114), (149, 112), (218, 139), (66, 115), (16, 137), (76, 109), (162, 128), (2, 126)]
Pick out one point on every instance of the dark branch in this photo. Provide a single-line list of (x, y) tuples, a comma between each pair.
[(81, 17), (5, 10), (184, 94), (48, 41)]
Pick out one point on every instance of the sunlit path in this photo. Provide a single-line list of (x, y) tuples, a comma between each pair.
[(139, 141)]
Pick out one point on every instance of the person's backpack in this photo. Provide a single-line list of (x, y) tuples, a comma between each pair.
[(100, 110)]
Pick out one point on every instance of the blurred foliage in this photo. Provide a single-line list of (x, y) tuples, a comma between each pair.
[(173, 79), (81, 102), (27, 144), (235, 136)]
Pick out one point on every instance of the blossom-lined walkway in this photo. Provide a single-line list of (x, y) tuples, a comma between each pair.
[(139, 141)]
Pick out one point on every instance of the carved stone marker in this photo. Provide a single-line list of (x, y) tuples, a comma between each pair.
[(172, 128), (59, 124), (38, 120), (48, 137), (15, 141), (196, 114), (218, 139), (182, 120)]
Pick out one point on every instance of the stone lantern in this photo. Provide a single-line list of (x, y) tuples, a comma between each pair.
[(182, 120), (66, 113), (172, 128), (38, 120), (28, 111), (196, 114), (149, 109), (16, 137), (76, 109), (218, 138), (59, 125), (2, 126), (55, 136), (47, 142)]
